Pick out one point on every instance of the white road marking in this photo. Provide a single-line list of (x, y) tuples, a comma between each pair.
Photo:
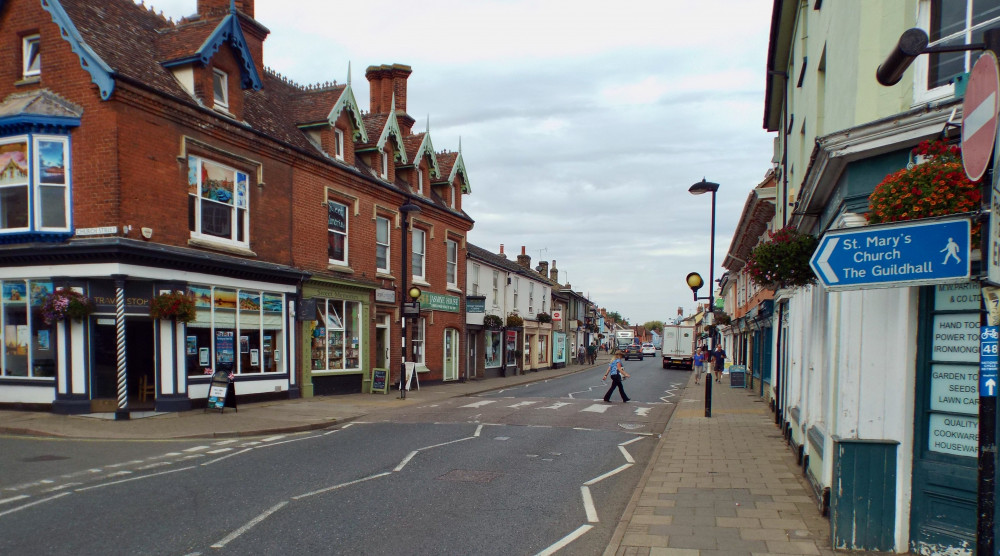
[(124, 463), (130, 479), (556, 405), (36, 502), (217, 460), (406, 460), (224, 442), (153, 465), (588, 505), (627, 442), (522, 404), (628, 456), (596, 408), (479, 429), (479, 404), (642, 411), (273, 438), (615, 471), (195, 449), (252, 522), (342, 485), (62, 487), (563, 542), (13, 499), (219, 451)]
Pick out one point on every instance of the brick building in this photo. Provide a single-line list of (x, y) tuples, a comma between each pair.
[(141, 156)]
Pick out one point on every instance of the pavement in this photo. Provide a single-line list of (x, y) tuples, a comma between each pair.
[(726, 485)]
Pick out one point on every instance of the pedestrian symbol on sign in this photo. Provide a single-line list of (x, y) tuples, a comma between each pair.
[(952, 251)]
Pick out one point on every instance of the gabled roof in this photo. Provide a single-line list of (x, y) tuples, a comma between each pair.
[(40, 107), (228, 31), (383, 126), (453, 164), (346, 101), (418, 146)]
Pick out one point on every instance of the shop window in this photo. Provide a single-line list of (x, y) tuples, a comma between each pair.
[(452, 270), (29, 343), (218, 199), (382, 241), (494, 348), (543, 349), (34, 184), (336, 338), (237, 330), (31, 59), (419, 248), (336, 216)]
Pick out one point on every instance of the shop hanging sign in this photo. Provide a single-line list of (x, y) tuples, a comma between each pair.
[(475, 304), (439, 302)]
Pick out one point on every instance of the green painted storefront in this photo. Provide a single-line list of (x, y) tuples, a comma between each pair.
[(335, 329)]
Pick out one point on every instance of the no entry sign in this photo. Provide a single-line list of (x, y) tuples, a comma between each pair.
[(979, 115)]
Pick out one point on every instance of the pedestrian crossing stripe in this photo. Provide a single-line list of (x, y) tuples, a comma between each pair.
[(480, 404), (597, 408)]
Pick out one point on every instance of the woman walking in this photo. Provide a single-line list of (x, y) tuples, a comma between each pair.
[(699, 361), (617, 372)]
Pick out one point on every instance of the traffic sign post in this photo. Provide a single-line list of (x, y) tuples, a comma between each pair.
[(988, 361), (892, 255), (979, 115)]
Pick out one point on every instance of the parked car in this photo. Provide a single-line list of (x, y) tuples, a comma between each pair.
[(648, 349)]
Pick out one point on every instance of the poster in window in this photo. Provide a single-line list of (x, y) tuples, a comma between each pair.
[(203, 357), (52, 162), (192, 345), (254, 358), (23, 339), (272, 303), (15, 292), (249, 301), (244, 344), (241, 190), (224, 348), (217, 182), (39, 290), (225, 299), (192, 175), (43, 340), (336, 217), (14, 163), (202, 296)]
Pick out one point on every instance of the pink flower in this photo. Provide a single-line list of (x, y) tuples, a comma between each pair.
[(231, 375)]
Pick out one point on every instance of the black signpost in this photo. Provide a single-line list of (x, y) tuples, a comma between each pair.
[(221, 392)]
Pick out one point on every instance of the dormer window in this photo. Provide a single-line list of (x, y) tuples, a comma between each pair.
[(338, 144), (220, 88), (385, 163), (32, 59)]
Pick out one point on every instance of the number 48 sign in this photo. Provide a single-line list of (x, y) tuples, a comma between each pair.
[(988, 336)]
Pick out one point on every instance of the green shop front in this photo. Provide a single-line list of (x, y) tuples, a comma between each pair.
[(335, 317)]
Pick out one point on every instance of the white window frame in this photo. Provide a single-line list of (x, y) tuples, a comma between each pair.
[(26, 56), (496, 288), (420, 181), (531, 297), (516, 284), (419, 256), (346, 233), (338, 143), (545, 297), (451, 268), (921, 94), (223, 83), (475, 279), (419, 335), (235, 207), (384, 157), (381, 222), (36, 198), (454, 193)]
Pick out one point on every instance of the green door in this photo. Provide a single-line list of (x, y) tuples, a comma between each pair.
[(943, 510)]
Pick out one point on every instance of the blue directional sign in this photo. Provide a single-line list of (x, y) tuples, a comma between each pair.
[(988, 361), (891, 255)]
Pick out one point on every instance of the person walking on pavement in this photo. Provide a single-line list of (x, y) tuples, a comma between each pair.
[(616, 370), (698, 364), (592, 353), (719, 357)]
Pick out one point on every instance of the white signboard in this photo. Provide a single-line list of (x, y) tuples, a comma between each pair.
[(956, 338), (958, 297), (956, 435), (955, 388)]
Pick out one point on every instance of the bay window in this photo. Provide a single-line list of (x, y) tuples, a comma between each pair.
[(34, 184)]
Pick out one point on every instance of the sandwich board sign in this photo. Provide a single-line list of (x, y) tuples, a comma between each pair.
[(221, 392)]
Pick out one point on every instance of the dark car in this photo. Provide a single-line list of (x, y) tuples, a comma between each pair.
[(628, 351)]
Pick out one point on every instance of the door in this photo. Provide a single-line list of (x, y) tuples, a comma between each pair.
[(450, 354), (139, 361)]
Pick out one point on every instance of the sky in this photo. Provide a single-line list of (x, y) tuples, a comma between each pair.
[(582, 123)]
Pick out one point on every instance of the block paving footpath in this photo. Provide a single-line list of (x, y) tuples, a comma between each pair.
[(725, 485)]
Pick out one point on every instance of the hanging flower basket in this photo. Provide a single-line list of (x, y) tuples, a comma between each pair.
[(66, 303), (783, 261), (937, 186), (493, 322), (514, 320), (174, 305), (544, 317)]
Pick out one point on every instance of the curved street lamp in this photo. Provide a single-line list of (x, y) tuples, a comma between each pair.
[(695, 282)]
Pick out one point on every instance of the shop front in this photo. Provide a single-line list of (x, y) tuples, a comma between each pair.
[(336, 318)]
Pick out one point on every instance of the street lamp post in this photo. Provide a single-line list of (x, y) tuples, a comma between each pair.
[(694, 280), (405, 210)]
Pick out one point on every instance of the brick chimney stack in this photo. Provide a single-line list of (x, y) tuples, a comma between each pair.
[(524, 259), (543, 268), (208, 8), (384, 82), (502, 254), (554, 272)]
